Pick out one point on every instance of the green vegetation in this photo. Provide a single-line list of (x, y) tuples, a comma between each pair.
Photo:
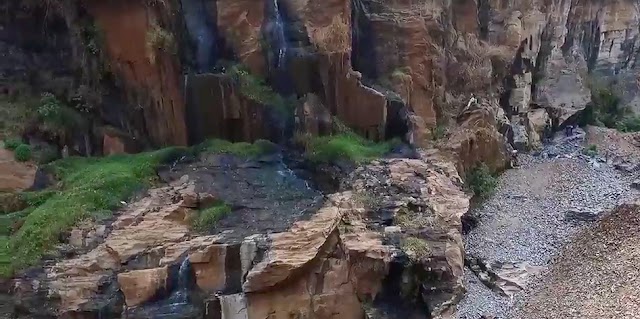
[(257, 90), (208, 217), (23, 153), (606, 110), (591, 150), (160, 39), (241, 149), (481, 182), (439, 132), (348, 146), (88, 185), (12, 143), (58, 118), (15, 114), (416, 248), (92, 188)]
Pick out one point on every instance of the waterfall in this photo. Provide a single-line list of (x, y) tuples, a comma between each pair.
[(202, 32), (276, 34), (181, 295)]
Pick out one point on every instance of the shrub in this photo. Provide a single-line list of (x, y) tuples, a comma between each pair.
[(209, 217), (58, 118), (23, 153), (12, 143), (256, 89), (416, 248), (159, 39), (591, 150), (481, 182), (439, 132), (606, 110), (348, 146), (629, 124)]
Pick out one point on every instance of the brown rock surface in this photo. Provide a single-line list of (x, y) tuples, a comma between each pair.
[(309, 271), (235, 117), (139, 286), (151, 83), (477, 140), (141, 228), (241, 22), (428, 203)]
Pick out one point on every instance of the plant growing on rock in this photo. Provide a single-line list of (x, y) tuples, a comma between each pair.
[(256, 89), (481, 182), (416, 248), (87, 185), (58, 118), (606, 109), (22, 153), (346, 146), (591, 150), (159, 39), (209, 217)]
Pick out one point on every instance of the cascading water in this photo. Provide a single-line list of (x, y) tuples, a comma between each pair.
[(203, 33), (276, 34), (179, 304), (181, 295)]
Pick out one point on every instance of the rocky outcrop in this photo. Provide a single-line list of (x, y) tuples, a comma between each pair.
[(476, 140), (395, 218)]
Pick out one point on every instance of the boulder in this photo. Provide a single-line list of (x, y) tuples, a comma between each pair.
[(140, 286)]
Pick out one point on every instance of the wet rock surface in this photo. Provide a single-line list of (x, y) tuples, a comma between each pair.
[(265, 194), (537, 209)]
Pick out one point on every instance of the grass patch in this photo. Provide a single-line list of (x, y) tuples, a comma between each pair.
[(209, 217), (481, 182), (92, 188), (88, 185), (22, 153), (591, 150), (347, 146), (241, 149), (416, 248)]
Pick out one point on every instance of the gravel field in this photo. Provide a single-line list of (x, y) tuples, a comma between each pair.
[(527, 219), (597, 276)]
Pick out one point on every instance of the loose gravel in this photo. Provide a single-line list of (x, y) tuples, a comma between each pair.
[(596, 276), (526, 220)]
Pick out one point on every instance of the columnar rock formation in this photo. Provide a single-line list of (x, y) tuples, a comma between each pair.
[(351, 54)]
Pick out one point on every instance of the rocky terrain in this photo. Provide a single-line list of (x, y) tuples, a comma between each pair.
[(538, 208), (376, 113)]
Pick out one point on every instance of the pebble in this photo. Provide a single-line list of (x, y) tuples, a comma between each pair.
[(525, 220)]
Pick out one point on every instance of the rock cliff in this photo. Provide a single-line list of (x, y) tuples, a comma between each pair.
[(496, 74)]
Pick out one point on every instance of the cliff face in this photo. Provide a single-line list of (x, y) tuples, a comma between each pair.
[(360, 57), (180, 71)]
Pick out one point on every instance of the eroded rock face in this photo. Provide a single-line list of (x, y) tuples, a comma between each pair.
[(151, 74)]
